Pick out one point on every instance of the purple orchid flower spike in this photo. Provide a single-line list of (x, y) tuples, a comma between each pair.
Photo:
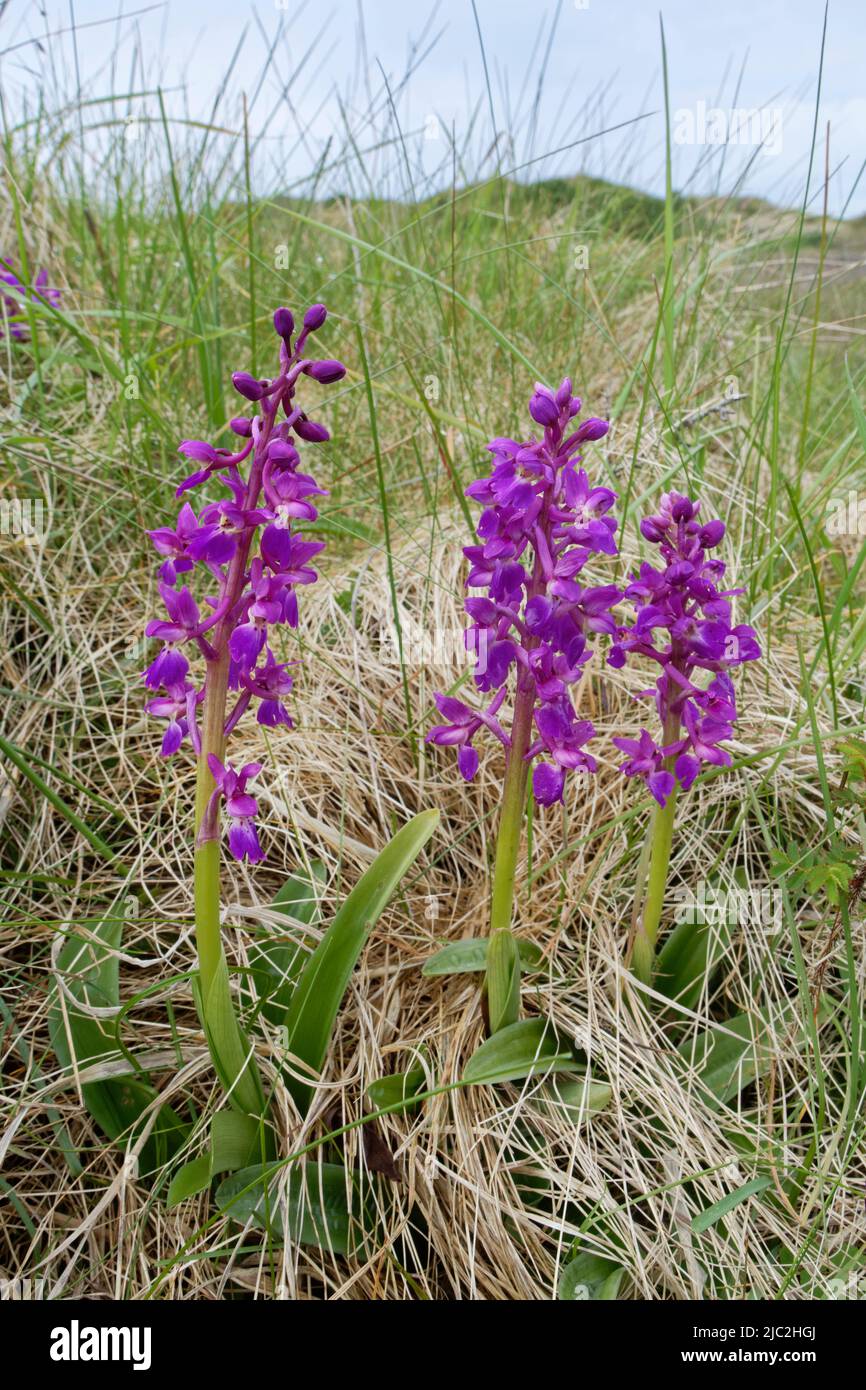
[(12, 310), (250, 551), (542, 523), (683, 623), (683, 604), (228, 580)]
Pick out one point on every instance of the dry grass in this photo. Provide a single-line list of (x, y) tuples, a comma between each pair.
[(493, 1186)]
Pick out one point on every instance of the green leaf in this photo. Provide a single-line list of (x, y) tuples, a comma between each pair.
[(326, 974), (276, 965), (228, 1045), (577, 1096), (590, 1278), (729, 1057), (310, 1207), (189, 1180), (236, 1141), (89, 967), (391, 1090), (528, 1048), (689, 956), (503, 981), (470, 956), (711, 1215)]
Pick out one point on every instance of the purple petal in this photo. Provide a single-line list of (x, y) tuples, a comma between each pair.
[(661, 784), (686, 769), (467, 762), (245, 644), (547, 784), (199, 450), (244, 841)]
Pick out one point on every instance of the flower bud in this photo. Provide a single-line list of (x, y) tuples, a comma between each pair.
[(542, 408), (651, 530), (312, 431), (681, 508), (284, 322), (327, 370), (242, 425), (280, 451), (248, 386), (710, 535), (592, 429), (315, 317)]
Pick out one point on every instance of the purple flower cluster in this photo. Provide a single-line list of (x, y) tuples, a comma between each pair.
[(684, 602), (13, 310), (541, 523), (252, 590)]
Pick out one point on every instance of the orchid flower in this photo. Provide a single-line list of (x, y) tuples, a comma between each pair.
[(12, 310), (534, 619), (252, 558), (683, 602)]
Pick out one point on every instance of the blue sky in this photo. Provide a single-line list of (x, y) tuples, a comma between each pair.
[(745, 70)]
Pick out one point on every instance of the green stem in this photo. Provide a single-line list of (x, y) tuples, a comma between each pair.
[(511, 820), (503, 962), (207, 854), (228, 1045), (658, 850)]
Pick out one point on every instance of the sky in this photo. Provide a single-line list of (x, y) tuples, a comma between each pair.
[(406, 81)]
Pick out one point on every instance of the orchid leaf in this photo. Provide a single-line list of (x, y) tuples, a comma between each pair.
[(88, 965), (502, 982), (576, 1097), (707, 1218), (732, 1055), (236, 1141), (470, 957), (689, 957), (276, 964), (313, 1204), (590, 1278), (189, 1180), (323, 981), (530, 1047), (392, 1090), (228, 1045)]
